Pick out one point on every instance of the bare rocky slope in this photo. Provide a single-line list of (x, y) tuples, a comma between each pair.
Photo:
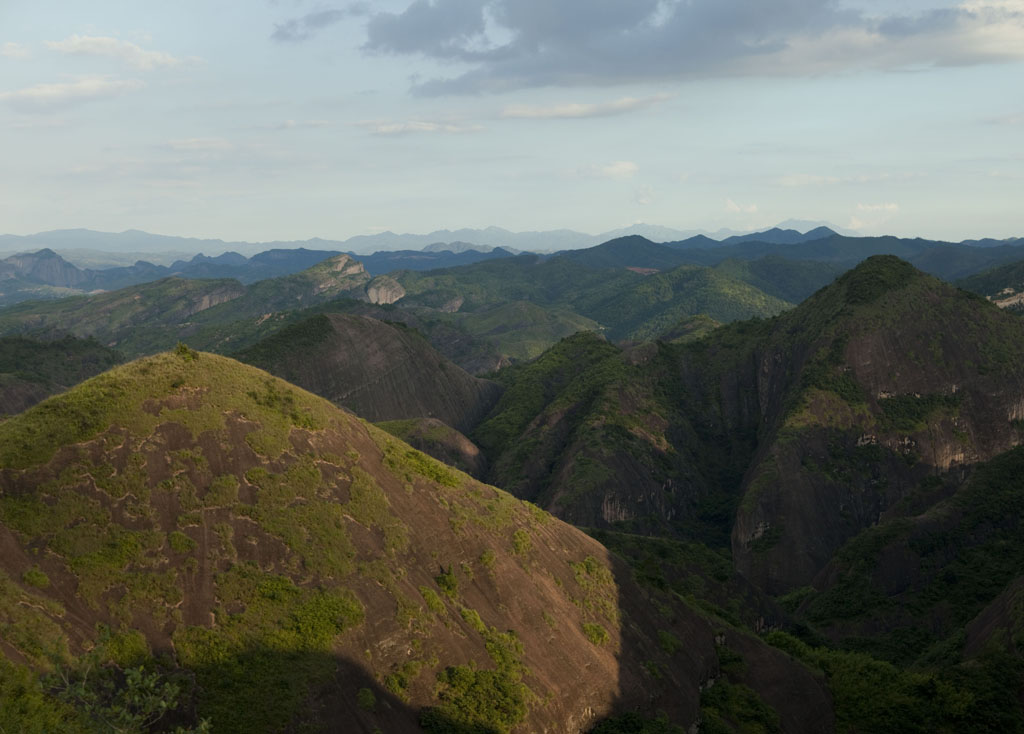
[(293, 568)]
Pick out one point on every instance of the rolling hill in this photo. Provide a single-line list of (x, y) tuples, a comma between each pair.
[(31, 370), (380, 371), (187, 538), (146, 318)]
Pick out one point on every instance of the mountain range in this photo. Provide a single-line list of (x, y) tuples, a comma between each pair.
[(85, 243), (768, 484)]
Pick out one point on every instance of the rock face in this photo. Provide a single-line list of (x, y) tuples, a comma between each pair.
[(380, 371), (142, 319), (46, 266), (335, 274), (384, 290), (782, 438), (112, 317), (907, 378), (308, 571)]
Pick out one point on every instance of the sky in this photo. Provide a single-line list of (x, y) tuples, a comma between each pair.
[(289, 119)]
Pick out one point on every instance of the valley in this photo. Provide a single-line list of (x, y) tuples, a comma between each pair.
[(771, 483)]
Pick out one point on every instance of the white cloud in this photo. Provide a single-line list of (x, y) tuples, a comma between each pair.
[(732, 206), (886, 207), (578, 110), (47, 96), (643, 195), (11, 50), (873, 215), (385, 127), (114, 48), (620, 170)]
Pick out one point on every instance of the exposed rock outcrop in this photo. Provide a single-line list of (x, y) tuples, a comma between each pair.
[(384, 290)]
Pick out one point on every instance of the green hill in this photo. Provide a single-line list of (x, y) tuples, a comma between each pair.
[(31, 370), (379, 371), (791, 434), (1002, 285), (626, 303), (190, 538), (855, 457), (147, 318)]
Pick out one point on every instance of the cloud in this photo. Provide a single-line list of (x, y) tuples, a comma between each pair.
[(643, 195), (114, 48), (294, 125), (11, 50), (732, 206), (43, 97), (873, 215), (305, 27), (503, 45), (619, 170), (385, 127), (575, 110)]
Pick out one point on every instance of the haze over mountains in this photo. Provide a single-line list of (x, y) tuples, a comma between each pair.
[(797, 458)]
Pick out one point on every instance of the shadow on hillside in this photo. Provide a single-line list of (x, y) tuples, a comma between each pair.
[(676, 653), (271, 690), (265, 690)]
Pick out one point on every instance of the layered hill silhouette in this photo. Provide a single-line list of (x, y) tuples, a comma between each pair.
[(146, 318), (32, 370), (624, 302), (856, 458), (789, 435), (45, 274), (282, 566), (380, 371)]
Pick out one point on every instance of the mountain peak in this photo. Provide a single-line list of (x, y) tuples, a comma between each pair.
[(876, 276)]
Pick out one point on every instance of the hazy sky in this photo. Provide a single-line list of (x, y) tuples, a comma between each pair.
[(289, 119)]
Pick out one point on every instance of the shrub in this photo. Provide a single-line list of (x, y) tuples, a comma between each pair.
[(180, 543), (521, 542), (366, 700), (447, 582), (35, 577), (478, 701), (596, 633)]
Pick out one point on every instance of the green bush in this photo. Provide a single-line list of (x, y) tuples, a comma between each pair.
[(447, 582), (180, 543), (596, 633), (35, 577), (521, 542), (366, 700), (479, 701)]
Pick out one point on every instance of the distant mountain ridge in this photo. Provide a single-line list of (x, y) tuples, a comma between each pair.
[(134, 240), (46, 274)]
